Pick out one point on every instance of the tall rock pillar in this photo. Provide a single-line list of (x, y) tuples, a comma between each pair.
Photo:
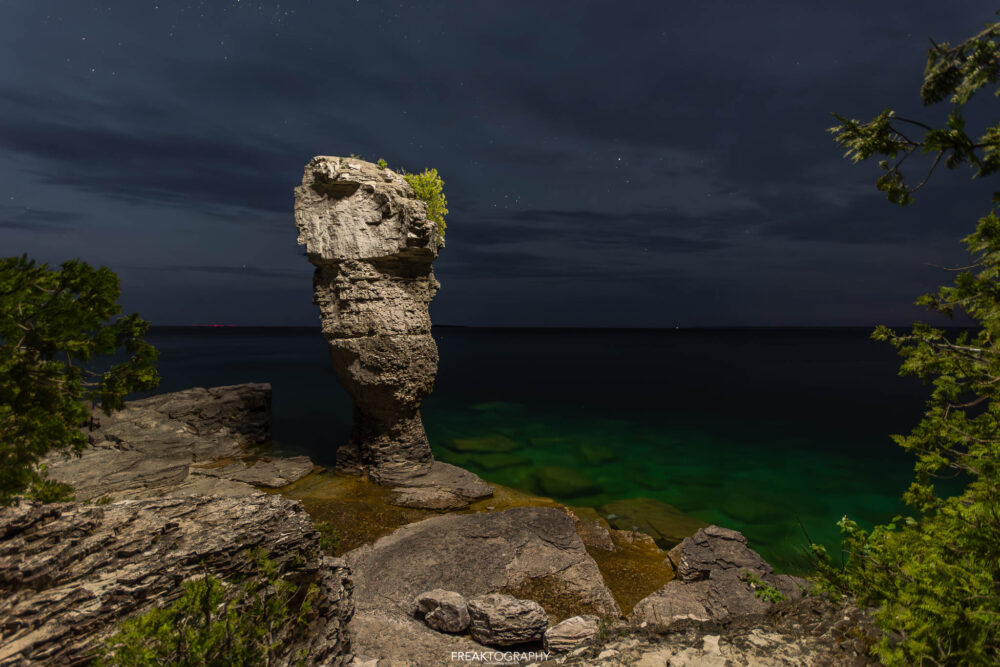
[(373, 246)]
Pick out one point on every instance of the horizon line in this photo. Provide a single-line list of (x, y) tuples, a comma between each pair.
[(734, 327)]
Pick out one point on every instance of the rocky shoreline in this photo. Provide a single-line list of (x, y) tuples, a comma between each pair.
[(435, 565), (178, 484)]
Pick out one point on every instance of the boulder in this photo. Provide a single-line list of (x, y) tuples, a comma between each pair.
[(441, 486), (503, 620), (593, 530), (446, 611), (572, 633), (718, 578), (716, 548), (70, 572), (427, 497)]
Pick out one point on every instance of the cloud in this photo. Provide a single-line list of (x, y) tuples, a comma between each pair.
[(37, 220), (247, 271)]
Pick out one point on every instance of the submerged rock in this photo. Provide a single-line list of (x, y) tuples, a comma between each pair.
[(664, 523), (597, 454), (503, 620), (493, 443), (560, 482), (70, 572), (500, 461)]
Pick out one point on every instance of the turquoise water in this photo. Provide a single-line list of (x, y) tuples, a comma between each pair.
[(774, 482), (776, 433)]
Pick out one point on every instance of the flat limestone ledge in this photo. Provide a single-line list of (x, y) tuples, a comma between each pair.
[(159, 446), (69, 572), (528, 552)]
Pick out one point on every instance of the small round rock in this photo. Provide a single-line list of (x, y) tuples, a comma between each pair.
[(445, 611)]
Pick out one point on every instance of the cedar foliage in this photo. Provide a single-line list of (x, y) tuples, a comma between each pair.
[(54, 324), (429, 187), (217, 624), (935, 579)]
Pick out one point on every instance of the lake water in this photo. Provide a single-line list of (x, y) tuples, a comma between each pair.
[(771, 432)]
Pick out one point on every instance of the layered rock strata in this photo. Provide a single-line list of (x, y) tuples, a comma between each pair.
[(572, 633), (166, 445), (371, 242), (372, 245), (70, 572), (503, 620)]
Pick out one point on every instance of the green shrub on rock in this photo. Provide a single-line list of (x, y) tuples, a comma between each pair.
[(429, 187), (214, 624), (329, 537)]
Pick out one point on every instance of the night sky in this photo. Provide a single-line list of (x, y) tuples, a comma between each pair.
[(633, 164)]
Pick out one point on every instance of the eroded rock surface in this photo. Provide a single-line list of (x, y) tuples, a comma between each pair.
[(372, 245), (446, 611), (812, 631), (266, 471), (69, 572), (528, 552), (153, 446), (572, 633), (718, 578), (503, 620)]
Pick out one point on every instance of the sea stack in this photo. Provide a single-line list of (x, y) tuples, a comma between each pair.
[(371, 242)]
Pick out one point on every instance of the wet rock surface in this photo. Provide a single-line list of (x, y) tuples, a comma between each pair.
[(503, 620), (69, 572), (664, 523)]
